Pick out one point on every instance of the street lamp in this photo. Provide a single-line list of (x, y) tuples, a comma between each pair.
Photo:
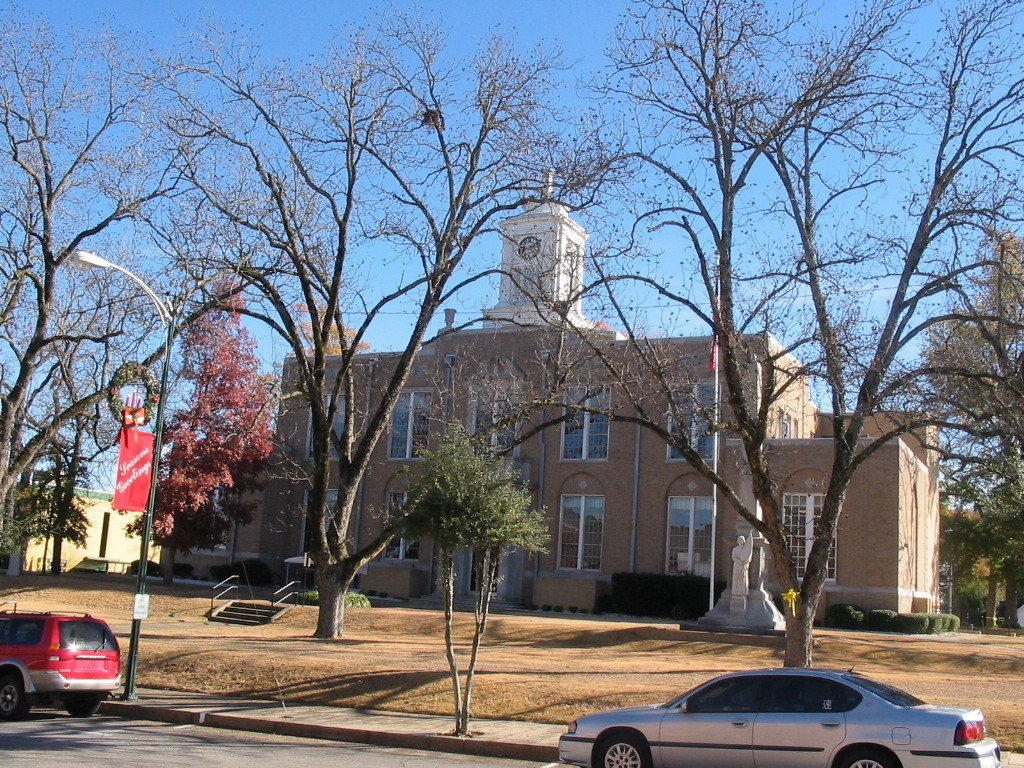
[(84, 260)]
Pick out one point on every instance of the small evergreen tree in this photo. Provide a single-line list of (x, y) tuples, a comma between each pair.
[(464, 496)]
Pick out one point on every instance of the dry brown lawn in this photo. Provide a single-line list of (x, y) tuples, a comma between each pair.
[(533, 667)]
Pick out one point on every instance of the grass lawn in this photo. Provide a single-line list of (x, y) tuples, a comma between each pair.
[(534, 667)]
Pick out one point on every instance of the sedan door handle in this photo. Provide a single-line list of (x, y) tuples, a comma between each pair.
[(741, 723), (830, 724)]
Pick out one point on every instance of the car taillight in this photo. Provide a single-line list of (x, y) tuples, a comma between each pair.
[(966, 732)]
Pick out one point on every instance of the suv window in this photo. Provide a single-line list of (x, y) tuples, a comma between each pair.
[(808, 694), (85, 636), (738, 694), (21, 631)]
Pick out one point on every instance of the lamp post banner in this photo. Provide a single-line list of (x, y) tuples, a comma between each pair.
[(134, 470)]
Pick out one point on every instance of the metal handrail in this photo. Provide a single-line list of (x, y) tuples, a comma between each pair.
[(279, 598), (228, 588), (10, 602)]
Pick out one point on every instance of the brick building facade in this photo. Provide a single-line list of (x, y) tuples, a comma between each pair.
[(616, 497)]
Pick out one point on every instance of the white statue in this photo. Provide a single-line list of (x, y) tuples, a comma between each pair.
[(741, 556)]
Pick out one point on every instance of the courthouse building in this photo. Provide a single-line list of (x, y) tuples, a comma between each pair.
[(617, 498)]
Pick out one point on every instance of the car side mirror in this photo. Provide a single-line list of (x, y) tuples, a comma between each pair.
[(684, 707)]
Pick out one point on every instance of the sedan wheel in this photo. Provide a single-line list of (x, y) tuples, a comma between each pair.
[(863, 759), (625, 751)]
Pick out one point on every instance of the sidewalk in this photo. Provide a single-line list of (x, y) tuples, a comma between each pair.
[(492, 738)]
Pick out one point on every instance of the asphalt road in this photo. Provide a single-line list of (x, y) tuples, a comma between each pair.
[(56, 741)]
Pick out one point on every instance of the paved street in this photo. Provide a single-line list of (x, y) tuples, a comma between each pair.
[(49, 738)]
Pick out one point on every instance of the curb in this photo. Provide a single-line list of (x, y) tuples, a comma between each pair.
[(424, 741)]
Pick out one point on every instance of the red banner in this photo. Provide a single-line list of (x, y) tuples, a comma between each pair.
[(134, 468)]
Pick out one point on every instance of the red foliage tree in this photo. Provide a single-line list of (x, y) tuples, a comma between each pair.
[(220, 441)]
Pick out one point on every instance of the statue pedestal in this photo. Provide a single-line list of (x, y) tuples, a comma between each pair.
[(753, 611)]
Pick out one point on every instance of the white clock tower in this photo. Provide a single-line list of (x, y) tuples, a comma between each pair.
[(542, 267)]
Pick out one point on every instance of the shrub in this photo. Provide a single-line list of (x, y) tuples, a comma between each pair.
[(356, 599), (679, 596), (573, 609), (545, 607), (944, 622), (558, 609), (152, 569), (309, 597), (912, 623), (252, 571), (183, 570), (882, 620), (844, 616), (382, 594), (370, 592)]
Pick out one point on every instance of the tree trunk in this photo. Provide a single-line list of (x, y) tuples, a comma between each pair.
[(486, 579), (990, 603), (330, 621), (448, 584), (167, 564), (1012, 592), (58, 545)]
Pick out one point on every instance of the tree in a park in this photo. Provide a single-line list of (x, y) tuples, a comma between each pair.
[(220, 438), (465, 497), (48, 504), (346, 188), (976, 385), (823, 192), (76, 163)]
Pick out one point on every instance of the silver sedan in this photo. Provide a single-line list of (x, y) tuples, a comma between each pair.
[(784, 718)]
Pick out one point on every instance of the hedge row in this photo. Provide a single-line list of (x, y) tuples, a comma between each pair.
[(847, 616), (677, 596)]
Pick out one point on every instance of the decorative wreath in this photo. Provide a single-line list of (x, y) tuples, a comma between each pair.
[(130, 373)]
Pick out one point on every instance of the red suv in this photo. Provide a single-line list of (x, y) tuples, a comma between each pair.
[(72, 659)]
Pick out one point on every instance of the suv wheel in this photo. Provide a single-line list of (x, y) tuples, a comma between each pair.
[(83, 705), (13, 703)]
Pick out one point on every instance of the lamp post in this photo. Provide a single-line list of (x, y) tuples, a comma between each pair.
[(85, 260)]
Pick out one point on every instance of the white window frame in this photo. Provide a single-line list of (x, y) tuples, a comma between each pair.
[(691, 502), (410, 450), (801, 544), (494, 438), (580, 532), (700, 396), (600, 399), (399, 548)]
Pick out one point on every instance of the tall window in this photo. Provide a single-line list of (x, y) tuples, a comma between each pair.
[(338, 425), (581, 533), (691, 410), (495, 420), (585, 435), (400, 548), (307, 520), (800, 512), (410, 425), (689, 534)]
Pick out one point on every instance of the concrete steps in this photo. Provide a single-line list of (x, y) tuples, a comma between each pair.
[(248, 612)]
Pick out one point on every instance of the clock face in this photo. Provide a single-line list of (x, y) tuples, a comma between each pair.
[(529, 247)]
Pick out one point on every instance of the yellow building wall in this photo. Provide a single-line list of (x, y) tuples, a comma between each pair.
[(106, 538)]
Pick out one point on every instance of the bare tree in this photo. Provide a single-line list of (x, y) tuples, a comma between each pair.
[(74, 165), (344, 191), (828, 184)]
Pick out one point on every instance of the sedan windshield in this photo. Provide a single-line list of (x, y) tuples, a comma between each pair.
[(889, 693)]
